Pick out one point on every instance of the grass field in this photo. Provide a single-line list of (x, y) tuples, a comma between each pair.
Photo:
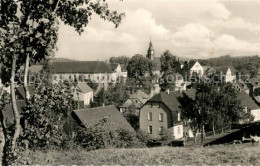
[(244, 154)]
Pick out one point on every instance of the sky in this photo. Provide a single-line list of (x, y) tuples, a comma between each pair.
[(188, 28)]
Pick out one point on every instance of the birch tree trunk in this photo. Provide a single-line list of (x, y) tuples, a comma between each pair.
[(14, 105), (25, 81), (3, 133)]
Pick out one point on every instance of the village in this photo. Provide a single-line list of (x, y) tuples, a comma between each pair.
[(158, 110), (134, 82)]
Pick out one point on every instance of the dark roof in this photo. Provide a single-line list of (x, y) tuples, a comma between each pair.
[(21, 91), (35, 69), (113, 66), (171, 100), (84, 87), (92, 116), (188, 65), (254, 81), (81, 67), (142, 96), (247, 101), (224, 69)]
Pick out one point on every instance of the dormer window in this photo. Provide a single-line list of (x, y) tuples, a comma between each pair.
[(179, 116)]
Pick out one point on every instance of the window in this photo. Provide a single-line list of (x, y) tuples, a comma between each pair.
[(178, 130), (179, 116), (150, 116), (159, 105), (161, 117), (150, 129), (151, 105), (160, 130)]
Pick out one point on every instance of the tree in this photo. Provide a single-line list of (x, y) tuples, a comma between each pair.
[(116, 95), (139, 66), (122, 60), (29, 33), (169, 67)]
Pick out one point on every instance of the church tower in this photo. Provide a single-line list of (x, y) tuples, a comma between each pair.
[(150, 52)]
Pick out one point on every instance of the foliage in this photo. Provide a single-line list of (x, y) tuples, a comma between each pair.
[(116, 95), (214, 106), (132, 117), (122, 60), (139, 66), (169, 66), (29, 31), (100, 137), (45, 113), (165, 135)]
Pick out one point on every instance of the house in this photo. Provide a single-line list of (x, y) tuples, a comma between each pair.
[(84, 93), (118, 71), (191, 67), (253, 84), (240, 86), (96, 71), (91, 117), (249, 105), (228, 73), (135, 101), (179, 83), (163, 111)]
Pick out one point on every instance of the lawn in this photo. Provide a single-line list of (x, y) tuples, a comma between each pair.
[(244, 154)]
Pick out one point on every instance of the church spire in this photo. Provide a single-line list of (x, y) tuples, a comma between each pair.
[(150, 52)]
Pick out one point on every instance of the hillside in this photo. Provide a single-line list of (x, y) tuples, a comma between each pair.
[(244, 154)]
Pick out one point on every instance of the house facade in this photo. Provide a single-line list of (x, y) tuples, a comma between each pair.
[(97, 71), (83, 93), (197, 68), (227, 72), (118, 72), (162, 112)]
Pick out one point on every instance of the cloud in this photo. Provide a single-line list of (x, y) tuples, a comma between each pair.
[(196, 39)]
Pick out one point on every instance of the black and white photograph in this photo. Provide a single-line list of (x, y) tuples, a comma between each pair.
[(130, 82)]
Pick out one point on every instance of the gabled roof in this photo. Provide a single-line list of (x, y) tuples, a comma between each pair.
[(113, 66), (88, 67), (84, 87), (247, 101), (224, 69), (92, 116), (188, 65), (21, 92), (254, 81), (205, 68), (171, 100), (140, 95)]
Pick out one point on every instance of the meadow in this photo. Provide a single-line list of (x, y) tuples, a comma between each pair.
[(242, 154)]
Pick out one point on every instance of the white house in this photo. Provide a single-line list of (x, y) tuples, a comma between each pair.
[(228, 72), (249, 105), (191, 67), (118, 71), (197, 68), (84, 93)]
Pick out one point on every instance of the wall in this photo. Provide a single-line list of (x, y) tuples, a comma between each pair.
[(155, 123), (197, 68), (256, 114), (178, 131)]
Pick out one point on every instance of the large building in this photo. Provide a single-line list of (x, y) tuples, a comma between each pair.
[(161, 112), (98, 72)]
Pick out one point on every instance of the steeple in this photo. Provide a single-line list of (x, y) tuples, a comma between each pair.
[(150, 52)]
